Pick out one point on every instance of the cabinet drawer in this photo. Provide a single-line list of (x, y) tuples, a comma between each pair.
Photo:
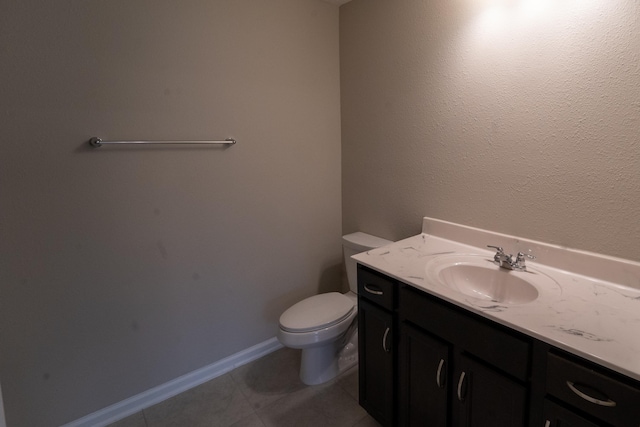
[(376, 287), (486, 340), (593, 392), (557, 416)]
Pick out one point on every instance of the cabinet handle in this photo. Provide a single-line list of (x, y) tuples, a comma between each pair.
[(384, 341), (439, 379), (372, 291), (460, 385), (610, 403)]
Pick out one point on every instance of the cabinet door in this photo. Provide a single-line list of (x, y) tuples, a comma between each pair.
[(485, 398), (424, 380), (557, 416), (375, 341)]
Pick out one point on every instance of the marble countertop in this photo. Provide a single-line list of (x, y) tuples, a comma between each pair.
[(585, 315)]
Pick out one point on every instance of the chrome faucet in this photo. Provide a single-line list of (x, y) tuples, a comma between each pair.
[(506, 261)]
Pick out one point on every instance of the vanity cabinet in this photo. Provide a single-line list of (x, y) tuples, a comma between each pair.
[(425, 379), (600, 395), (376, 343), (557, 416), (456, 370), (427, 362)]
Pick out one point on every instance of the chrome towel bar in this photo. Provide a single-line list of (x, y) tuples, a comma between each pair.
[(97, 142)]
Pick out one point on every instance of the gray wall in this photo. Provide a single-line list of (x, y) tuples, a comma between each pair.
[(121, 269), (521, 117)]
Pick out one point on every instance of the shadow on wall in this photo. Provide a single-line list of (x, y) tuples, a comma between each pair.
[(332, 279)]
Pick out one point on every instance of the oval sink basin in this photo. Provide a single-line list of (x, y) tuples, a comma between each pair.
[(478, 277)]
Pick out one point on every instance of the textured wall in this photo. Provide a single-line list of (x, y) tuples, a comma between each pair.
[(121, 269), (520, 116)]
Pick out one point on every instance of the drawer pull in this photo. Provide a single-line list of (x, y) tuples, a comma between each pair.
[(439, 379), (384, 341), (372, 291), (460, 384), (610, 403)]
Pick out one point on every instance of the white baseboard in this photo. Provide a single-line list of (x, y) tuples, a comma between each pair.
[(3, 422), (134, 404)]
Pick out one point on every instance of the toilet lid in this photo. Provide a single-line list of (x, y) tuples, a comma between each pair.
[(316, 312)]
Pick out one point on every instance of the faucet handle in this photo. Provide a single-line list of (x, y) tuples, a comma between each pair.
[(499, 256), (520, 258)]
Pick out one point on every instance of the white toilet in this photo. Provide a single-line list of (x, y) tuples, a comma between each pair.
[(325, 326)]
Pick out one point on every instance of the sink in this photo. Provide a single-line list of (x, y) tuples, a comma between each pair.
[(478, 277)]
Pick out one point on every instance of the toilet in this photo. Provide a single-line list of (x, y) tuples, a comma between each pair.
[(325, 326)]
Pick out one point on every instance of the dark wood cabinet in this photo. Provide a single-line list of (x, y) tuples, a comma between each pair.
[(376, 346), (375, 335), (605, 396), (452, 367), (427, 362), (425, 380), (557, 416), (486, 398)]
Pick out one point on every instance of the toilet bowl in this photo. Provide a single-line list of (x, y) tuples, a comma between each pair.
[(325, 326)]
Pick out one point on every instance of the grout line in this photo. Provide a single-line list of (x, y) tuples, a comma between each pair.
[(242, 393)]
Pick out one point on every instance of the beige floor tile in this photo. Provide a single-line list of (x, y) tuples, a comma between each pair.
[(270, 378), (251, 421), (316, 406), (135, 420), (367, 421), (218, 403), (265, 393), (349, 382)]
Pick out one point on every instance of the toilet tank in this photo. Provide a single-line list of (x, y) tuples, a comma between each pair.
[(355, 243)]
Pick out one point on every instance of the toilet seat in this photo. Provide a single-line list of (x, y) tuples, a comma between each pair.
[(317, 312)]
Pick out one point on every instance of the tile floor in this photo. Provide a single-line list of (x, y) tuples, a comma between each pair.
[(264, 393)]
